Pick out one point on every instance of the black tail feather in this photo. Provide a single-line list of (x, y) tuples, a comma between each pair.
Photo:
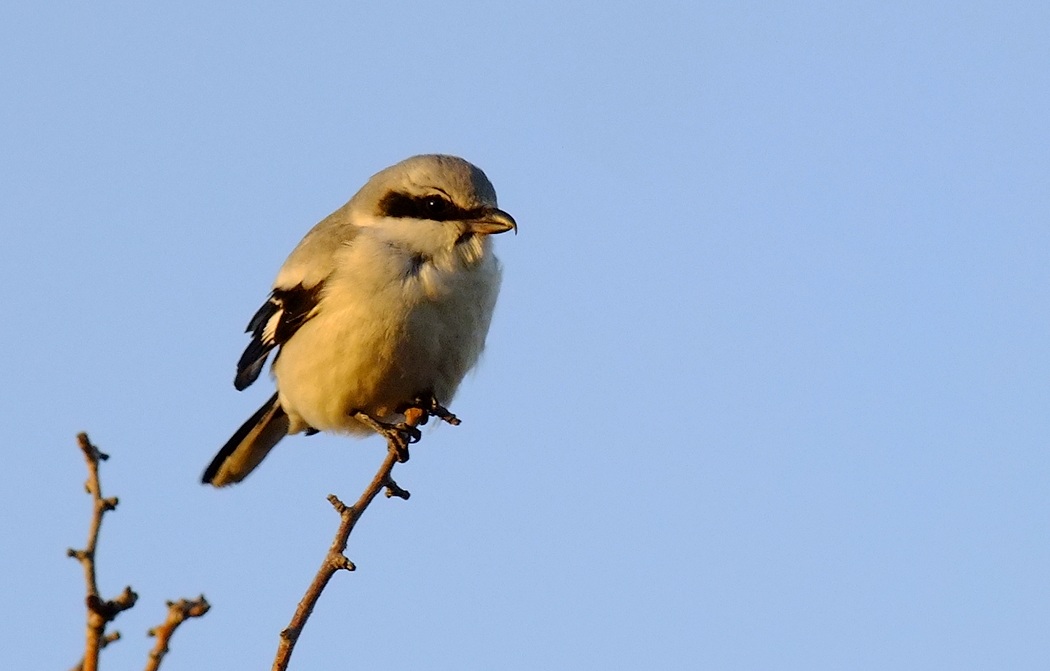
[(269, 424)]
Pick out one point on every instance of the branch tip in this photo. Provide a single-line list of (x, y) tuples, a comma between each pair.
[(343, 563), (90, 451), (392, 490), (337, 503), (178, 612)]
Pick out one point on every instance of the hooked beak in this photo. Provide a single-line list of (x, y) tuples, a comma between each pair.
[(491, 221)]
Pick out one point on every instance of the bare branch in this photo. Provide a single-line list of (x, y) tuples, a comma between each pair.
[(99, 611), (178, 612), (335, 560)]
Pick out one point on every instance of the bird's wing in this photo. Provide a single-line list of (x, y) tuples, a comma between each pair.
[(275, 322), (297, 291)]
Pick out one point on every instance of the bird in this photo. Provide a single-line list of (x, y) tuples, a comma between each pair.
[(377, 314)]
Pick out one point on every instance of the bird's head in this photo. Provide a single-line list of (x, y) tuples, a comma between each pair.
[(433, 195)]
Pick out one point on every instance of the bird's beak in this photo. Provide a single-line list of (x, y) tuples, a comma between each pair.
[(492, 220)]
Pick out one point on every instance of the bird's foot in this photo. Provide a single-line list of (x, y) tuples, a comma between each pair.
[(398, 436), (426, 406)]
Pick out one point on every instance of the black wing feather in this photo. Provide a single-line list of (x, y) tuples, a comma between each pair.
[(251, 362), (291, 308)]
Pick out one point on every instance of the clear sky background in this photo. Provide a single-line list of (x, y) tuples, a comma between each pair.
[(767, 386)]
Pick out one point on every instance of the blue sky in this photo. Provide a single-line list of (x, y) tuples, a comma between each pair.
[(767, 386)]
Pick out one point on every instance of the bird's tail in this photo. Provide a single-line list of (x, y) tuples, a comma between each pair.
[(248, 446)]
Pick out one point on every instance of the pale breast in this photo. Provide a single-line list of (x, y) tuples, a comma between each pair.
[(390, 326)]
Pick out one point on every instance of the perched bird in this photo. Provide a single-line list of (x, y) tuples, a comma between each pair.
[(378, 313)]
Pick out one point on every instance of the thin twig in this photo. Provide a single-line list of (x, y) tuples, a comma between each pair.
[(335, 560), (99, 611), (178, 612)]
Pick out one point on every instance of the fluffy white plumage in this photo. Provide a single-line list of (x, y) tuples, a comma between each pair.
[(385, 302)]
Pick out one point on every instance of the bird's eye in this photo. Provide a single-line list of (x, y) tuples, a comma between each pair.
[(436, 207)]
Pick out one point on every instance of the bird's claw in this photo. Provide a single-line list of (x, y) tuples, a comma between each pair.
[(410, 433), (429, 407), (399, 446), (398, 436), (442, 413)]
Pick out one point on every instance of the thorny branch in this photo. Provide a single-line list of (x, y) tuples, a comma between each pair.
[(335, 560), (100, 612), (178, 612)]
